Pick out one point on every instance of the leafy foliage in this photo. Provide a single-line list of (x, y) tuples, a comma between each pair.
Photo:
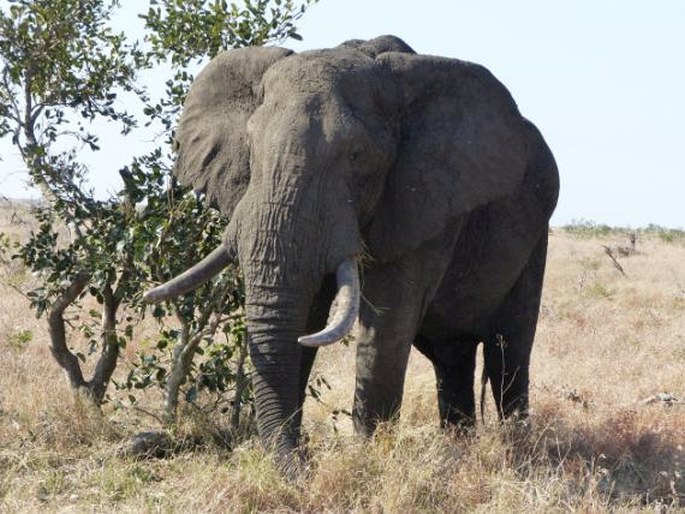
[(667, 235), (197, 28), (19, 339), (63, 67), (588, 229)]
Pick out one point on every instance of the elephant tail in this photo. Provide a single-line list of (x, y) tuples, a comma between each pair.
[(483, 384)]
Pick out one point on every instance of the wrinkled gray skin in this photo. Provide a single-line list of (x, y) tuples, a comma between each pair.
[(423, 169)]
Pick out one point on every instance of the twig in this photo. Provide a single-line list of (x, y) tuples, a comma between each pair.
[(157, 418)]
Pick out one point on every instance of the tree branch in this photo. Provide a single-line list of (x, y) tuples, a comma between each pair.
[(56, 328), (183, 354), (107, 362)]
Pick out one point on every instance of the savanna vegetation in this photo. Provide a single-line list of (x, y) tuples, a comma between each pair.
[(607, 431), (88, 367)]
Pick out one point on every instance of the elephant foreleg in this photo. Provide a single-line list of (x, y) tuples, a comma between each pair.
[(318, 315), (383, 343), (512, 330), (394, 301)]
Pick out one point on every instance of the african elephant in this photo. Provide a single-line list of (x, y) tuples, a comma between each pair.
[(417, 171)]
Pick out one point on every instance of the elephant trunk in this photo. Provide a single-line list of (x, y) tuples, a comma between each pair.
[(276, 317), (279, 291)]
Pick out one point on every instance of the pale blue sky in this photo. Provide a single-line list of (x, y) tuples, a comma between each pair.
[(603, 80)]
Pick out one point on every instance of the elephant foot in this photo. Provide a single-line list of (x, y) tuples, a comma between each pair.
[(455, 420), (374, 406), (293, 465), (364, 425)]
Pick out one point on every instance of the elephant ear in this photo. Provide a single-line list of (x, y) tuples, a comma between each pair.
[(462, 146), (211, 139)]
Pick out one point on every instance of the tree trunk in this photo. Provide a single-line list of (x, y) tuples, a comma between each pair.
[(109, 356), (185, 351), (57, 331)]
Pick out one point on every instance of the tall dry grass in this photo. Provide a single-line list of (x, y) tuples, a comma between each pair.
[(605, 344)]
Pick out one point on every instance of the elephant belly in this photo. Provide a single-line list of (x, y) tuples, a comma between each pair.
[(489, 256), (462, 310)]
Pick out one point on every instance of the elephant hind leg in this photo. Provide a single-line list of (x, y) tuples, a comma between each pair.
[(507, 371), (454, 363), (510, 339)]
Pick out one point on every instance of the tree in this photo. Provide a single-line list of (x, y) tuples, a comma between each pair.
[(62, 68)]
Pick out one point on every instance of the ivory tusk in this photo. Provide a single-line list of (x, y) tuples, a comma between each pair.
[(192, 278), (344, 310)]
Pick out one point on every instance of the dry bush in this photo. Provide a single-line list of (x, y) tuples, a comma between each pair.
[(605, 343)]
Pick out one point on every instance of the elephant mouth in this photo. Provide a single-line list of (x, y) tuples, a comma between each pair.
[(344, 308)]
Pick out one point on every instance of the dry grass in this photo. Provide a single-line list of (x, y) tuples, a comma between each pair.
[(605, 343)]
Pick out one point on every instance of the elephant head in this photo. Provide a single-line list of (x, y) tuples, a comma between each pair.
[(324, 160)]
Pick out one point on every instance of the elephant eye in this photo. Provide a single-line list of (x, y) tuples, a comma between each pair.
[(356, 154)]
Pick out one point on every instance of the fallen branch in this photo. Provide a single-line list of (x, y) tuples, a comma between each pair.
[(617, 265), (665, 399)]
